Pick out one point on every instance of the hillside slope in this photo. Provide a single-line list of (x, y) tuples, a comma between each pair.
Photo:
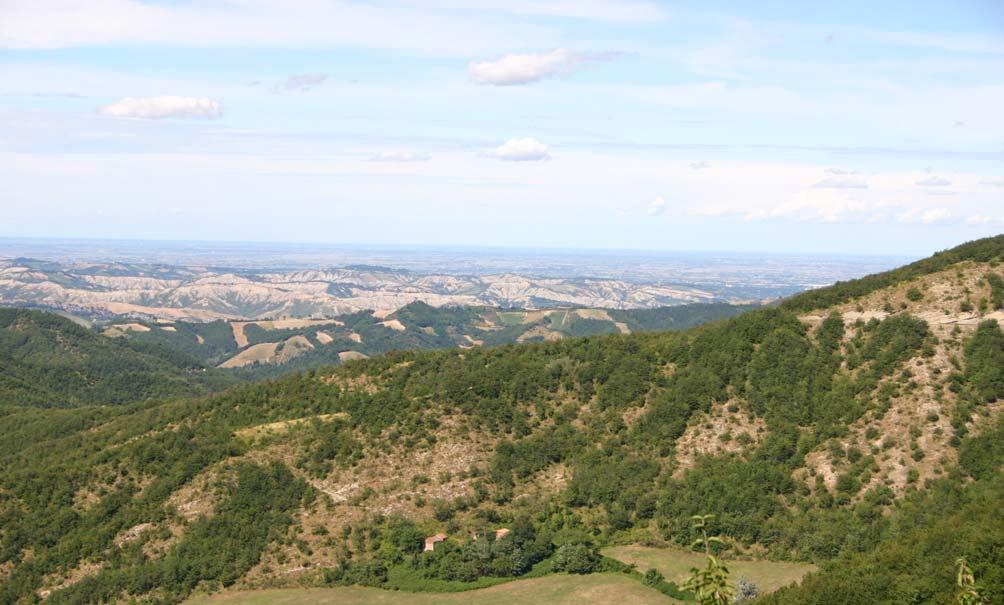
[(863, 436), (48, 360), (272, 347)]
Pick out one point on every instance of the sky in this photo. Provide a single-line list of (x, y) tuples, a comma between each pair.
[(814, 127)]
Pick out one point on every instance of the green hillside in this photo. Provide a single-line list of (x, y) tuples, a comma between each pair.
[(418, 326), (981, 250), (47, 360), (864, 441)]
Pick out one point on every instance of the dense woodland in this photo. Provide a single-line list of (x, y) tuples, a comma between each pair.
[(610, 408), (48, 360)]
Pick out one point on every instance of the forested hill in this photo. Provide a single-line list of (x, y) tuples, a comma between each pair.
[(979, 251), (864, 436), (47, 360), (259, 349)]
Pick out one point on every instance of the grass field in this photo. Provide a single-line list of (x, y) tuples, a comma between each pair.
[(557, 589), (595, 589), (675, 564)]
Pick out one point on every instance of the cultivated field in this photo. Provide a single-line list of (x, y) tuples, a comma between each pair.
[(595, 589), (675, 564)]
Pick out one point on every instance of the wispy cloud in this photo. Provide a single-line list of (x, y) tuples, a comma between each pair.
[(841, 183), (934, 181), (164, 106), (303, 82), (657, 206), (926, 217), (399, 155), (258, 24), (982, 219), (616, 11)]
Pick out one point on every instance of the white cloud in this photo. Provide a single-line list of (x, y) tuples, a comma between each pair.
[(934, 181), (164, 106), (817, 205), (522, 150), (935, 216), (926, 217), (258, 23), (623, 11), (841, 183), (399, 155), (304, 82), (700, 165), (657, 206), (982, 219), (512, 70), (993, 182)]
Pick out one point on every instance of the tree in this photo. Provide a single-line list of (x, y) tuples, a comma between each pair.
[(710, 585), (968, 592), (576, 558)]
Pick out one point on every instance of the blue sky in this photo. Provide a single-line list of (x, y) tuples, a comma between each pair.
[(859, 127)]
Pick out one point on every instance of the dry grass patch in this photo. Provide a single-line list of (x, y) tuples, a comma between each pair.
[(675, 564), (82, 571), (595, 589), (259, 353), (275, 428), (239, 337), (116, 330), (393, 324), (539, 331), (727, 428)]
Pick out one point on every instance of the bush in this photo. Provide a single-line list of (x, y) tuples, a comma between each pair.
[(746, 590), (576, 558), (653, 577)]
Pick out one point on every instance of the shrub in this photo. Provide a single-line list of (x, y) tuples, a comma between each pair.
[(576, 558), (746, 590), (653, 577)]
